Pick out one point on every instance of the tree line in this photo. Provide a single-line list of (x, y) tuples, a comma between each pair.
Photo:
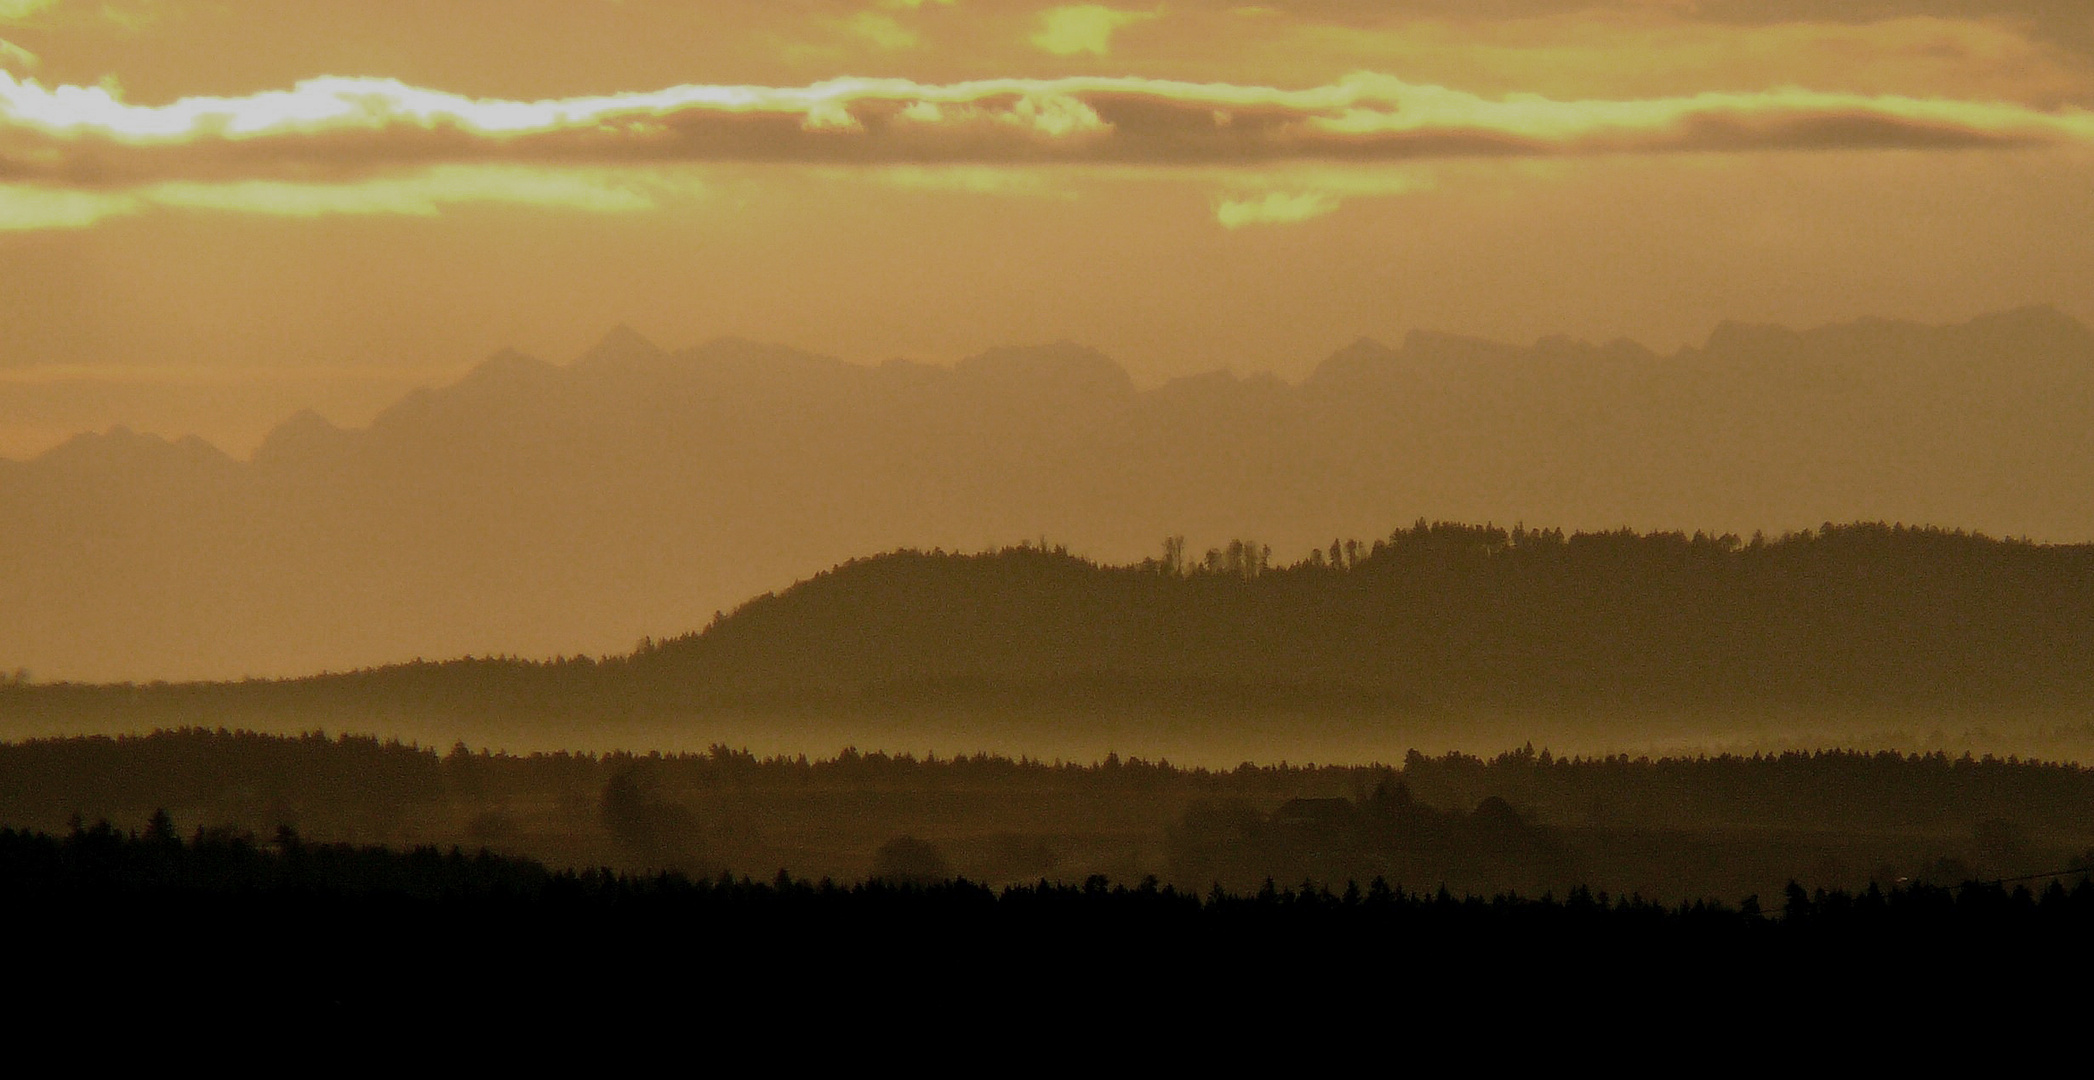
[(244, 776), (1526, 820), (101, 862), (284, 931)]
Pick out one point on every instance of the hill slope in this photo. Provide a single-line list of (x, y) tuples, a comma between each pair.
[(536, 509), (1621, 636), (1437, 616)]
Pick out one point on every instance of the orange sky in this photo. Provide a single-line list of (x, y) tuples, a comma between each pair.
[(214, 213)]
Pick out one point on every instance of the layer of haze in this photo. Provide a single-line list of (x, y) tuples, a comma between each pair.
[(214, 216), (1760, 160), (535, 509)]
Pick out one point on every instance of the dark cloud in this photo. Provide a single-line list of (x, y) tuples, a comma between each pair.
[(335, 129)]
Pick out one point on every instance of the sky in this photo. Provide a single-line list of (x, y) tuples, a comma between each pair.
[(215, 213)]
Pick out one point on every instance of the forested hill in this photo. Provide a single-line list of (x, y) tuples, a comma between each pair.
[(1440, 617), (1434, 615)]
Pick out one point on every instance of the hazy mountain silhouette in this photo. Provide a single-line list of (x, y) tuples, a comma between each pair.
[(536, 509)]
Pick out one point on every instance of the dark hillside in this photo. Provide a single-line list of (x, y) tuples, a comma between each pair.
[(1436, 615), (1444, 624)]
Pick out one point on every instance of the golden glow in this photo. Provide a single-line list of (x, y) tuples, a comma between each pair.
[(883, 31), (27, 206), (674, 122), (1184, 185), (1294, 193), (13, 56), (1664, 54), (21, 9), (972, 179), (1275, 208), (1083, 28), (380, 145), (421, 194)]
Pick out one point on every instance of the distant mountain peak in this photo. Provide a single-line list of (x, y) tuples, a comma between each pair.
[(120, 446), (1363, 357), (742, 361), (539, 508), (1440, 347), (507, 365), (1731, 335), (304, 433), (1062, 363), (623, 346), (1367, 358), (2018, 334), (2035, 320)]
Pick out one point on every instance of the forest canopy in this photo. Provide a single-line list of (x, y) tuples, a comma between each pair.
[(1441, 635)]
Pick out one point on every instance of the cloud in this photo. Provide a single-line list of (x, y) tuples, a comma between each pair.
[(82, 136), (971, 179), (30, 207), (1274, 208), (341, 145), (883, 31), (1083, 28), (1632, 55), (421, 195), (1294, 194), (16, 10)]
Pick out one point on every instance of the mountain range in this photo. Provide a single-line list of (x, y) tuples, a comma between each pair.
[(538, 509)]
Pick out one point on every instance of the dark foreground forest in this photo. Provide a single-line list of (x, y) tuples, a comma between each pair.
[(310, 930), (300, 867), (1681, 829), (353, 879)]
